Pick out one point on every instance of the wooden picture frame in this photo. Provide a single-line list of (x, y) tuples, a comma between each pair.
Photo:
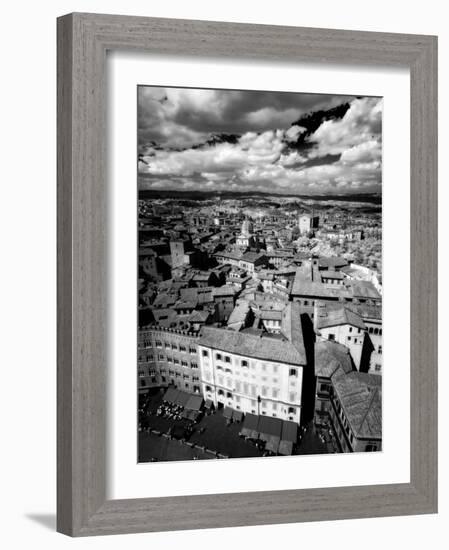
[(83, 40)]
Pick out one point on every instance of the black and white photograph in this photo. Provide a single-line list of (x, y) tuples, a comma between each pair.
[(259, 274)]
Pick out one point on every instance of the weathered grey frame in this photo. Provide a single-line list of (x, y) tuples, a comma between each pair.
[(83, 40)]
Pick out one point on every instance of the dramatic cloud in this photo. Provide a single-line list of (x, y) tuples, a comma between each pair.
[(264, 141)]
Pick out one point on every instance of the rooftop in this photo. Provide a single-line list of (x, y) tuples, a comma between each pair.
[(329, 357), (331, 262), (198, 316), (164, 300), (364, 289), (360, 395), (252, 346), (201, 295), (238, 315), (341, 316), (367, 311), (292, 327), (229, 255), (252, 256), (306, 287)]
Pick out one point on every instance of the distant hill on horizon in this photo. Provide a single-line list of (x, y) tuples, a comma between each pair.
[(373, 198)]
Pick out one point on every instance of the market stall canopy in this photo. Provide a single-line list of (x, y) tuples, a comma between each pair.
[(272, 443), (285, 448), (237, 416), (182, 398), (194, 403), (250, 425), (269, 426), (227, 412), (171, 395), (289, 431)]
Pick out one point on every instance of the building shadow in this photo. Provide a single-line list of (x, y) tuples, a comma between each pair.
[(367, 350), (309, 379), (46, 520)]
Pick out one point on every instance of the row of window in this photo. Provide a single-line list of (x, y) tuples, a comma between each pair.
[(175, 347), (228, 371), (344, 421), (243, 363), (332, 281), (226, 358), (307, 302), (264, 404), (176, 361), (175, 374)]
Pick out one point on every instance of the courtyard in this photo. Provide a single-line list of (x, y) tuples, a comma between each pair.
[(212, 436)]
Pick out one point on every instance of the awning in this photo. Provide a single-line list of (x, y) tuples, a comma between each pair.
[(285, 448), (182, 398), (289, 431), (194, 403), (254, 434), (227, 412), (237, 416), (272, 443), (250, 425), (269, 426), (171, 395), (209, 404)]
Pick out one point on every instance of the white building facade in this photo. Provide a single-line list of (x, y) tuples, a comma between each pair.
[(257, 385)]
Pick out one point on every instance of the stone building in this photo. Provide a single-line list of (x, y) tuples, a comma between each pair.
[(307, 223), (356, 411), (224, 299), (349, 400), (246, 237), (253, 372), (168, 356), (343, 326)]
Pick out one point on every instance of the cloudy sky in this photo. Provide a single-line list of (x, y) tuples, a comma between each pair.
[(197, 139)]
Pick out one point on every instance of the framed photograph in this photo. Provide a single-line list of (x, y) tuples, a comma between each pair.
[(247, 274)]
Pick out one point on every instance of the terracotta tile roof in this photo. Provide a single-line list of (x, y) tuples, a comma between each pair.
[(329, 357), (332, 262), (364, 289), (360, 395), (249, 345), (251, 257), (198, 316), (341, 316)]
